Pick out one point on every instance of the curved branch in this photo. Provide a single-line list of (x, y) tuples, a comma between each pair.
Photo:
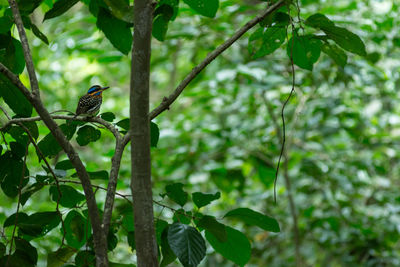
[(167, 101), (99, 120), (99, 239)]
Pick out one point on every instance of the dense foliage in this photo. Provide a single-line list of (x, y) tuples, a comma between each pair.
[(215, 152)]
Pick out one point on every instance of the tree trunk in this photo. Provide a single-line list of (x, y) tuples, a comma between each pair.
[(146, 247)]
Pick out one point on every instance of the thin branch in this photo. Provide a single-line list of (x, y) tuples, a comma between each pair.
[(99, 239), (167, 101), (25, 45), (99, 120)]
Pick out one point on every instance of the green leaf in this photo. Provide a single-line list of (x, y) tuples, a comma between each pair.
[(11, 167), (175, 192), (182, 216), (39, 34), (64, 165), (305, 51), (343, 37), (236, 248), (265, 41), (131, 240), (128, 222), (160, 226), (206, 8), (78, 229), (70, 197), (216, 228), (108, 116), (117, 31), (30, 191), (99, 175), (124, 124), (252, 217), (14, 98), (112, 240), (26, 251), (160, 27), (154, 134), (2, 249), (85, 258), (334, 52), (87, 134), (11, 219), (201, 199), (28, 6), (187, 244), (121, 9), (59, 8), (59, 257), (49, 145), (6, 21), (168, 255), (39, 224)]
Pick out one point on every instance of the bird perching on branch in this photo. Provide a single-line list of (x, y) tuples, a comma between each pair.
[(90, 103)]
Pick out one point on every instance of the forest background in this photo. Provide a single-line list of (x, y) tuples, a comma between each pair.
[(338, 201)]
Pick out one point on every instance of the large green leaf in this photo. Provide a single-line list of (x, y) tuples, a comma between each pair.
[(49, 145), (265, 41), (70, 197), (176, 193), (6, 21), (87, 134), (14, 98), (40, 223), (216, 228), (160, 27), (168, 255), (343, 37), (334, 52), (59, 257), (28, 6), (206, 8), (252, 217), (117, 31), (78, 229), (11, 53), (236, 248), (59, 8), (305, 50), (201, 199), (187, 244), (11, 168)]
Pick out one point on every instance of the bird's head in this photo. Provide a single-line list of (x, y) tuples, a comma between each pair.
[(96, 90)]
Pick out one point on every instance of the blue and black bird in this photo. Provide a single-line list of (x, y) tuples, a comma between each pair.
[(90, 103)]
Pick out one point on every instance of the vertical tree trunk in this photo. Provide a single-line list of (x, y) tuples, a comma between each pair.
[(146, 247)]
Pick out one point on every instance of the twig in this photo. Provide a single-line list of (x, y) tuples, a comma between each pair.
[(167, 101), (25, 45)]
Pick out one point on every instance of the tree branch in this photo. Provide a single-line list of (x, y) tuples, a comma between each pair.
[(99, 120), (167, 101), (99, 239), (25, 45)]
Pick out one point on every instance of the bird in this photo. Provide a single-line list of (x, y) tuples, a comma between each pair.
[(90, 103)]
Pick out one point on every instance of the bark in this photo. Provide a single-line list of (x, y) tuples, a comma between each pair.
[(146, 247)]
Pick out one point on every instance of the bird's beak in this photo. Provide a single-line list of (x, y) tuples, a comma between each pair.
[(105, 88)]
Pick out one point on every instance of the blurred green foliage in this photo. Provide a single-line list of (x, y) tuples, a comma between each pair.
[(221, 135)]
